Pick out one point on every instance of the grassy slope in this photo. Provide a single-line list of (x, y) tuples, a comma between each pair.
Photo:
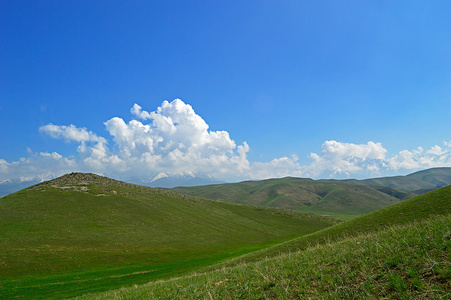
[(411, 261), (89, 233), (401, 251), (336, 198), (434, 203)]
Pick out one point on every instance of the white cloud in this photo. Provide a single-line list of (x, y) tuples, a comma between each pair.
[(71, 133), (93, 150), (43, 164), (339, 159), (278, 167), (346, 158), (4, 166), (173, 138), (436, 156), (136, 110), (406, 160), (436, 150)]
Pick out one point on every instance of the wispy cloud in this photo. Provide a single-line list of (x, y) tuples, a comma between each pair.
[(174, 138), (43, 164), (71, 133)]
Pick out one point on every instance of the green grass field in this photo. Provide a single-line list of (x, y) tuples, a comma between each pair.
[(399, 252), (85, 233), (432, 204), (409, 261)]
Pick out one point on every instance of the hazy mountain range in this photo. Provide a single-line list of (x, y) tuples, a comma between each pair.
[(170, 180)]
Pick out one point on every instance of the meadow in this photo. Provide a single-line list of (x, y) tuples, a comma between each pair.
[(85, 233), (402, 252), (87, 236), (401, 262)]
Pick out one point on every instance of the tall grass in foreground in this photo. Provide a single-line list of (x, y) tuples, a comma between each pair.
[(402, 262)]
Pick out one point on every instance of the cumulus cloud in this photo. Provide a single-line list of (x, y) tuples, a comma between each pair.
[(173, 138), (43, 164), (93, 150), (347, 158), (4, 166), (71, 133), (436, 156), (277, 167), (338, 159)]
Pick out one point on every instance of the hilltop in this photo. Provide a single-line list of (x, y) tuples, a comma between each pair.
[(83, 232)]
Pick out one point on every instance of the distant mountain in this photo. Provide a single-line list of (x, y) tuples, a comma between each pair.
[(336, 198), (419, 182), (175, 179), (340, 198), (12, 185)]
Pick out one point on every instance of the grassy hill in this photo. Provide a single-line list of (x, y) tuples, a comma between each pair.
[(419, 182), (342, 199), (83, 233), (402, 251), (429, 205), (335, 198)]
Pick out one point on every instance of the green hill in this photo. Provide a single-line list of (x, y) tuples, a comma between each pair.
[(402, 262), (342, 199), (83, 232), (335, 198), (429, 205), (419, 182), (402, 251)]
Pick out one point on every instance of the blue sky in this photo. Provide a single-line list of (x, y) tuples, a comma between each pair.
[(323, 89)]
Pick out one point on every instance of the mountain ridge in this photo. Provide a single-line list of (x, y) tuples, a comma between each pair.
[(174, 179), (418, 182), (343, 199)]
